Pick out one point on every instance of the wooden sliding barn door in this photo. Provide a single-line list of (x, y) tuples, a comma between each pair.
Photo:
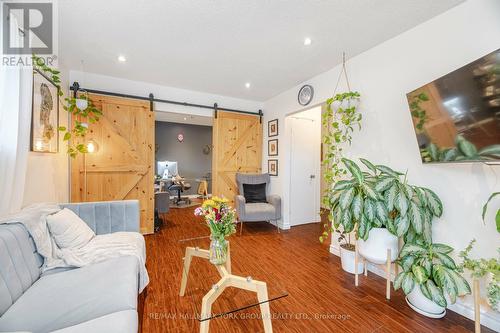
[(123, 166), (237, 140)]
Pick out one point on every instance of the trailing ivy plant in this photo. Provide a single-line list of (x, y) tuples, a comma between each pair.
[(463, 151), (430, 268), (482, 267), (381, 197), (418, 112), (340, 119), (90, 114)]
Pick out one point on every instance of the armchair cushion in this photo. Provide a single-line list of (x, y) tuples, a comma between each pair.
[(254, 193)]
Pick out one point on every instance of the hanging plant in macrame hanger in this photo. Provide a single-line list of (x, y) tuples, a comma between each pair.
[(340, 118)]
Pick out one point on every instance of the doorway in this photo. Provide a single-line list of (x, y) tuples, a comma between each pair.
[(305, 166)]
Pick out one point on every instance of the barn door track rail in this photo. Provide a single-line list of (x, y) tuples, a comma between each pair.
[(76, 87)]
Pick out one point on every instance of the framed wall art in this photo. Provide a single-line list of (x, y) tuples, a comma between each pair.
[(45, 115), (272, 167), (272, 147), (272, 128)]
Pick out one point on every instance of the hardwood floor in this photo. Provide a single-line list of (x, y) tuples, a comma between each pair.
[(313, 278)]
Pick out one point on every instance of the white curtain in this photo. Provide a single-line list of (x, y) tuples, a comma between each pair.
[(15, 121)]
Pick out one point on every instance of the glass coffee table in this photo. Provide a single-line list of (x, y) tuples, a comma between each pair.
[(226, 291)]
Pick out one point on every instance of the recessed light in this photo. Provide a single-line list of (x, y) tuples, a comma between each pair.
[(122, 58), (185, 118), (247, 85), (307, 41)]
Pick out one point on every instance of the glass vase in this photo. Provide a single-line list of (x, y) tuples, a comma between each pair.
[(218, 250)]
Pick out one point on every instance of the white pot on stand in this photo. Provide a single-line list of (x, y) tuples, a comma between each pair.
[(421, 304), (374, 249), (347, 259)]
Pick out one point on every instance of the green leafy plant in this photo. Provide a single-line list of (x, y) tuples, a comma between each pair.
[(340, 119), (485, 209), (83, 117), (417, 111), (463, 151), (430, 268), (481, 267), (382, 197)]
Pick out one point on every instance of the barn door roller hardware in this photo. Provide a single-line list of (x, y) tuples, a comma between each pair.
[(76, 87)]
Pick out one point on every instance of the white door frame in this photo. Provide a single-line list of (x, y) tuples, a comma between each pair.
[(287, 184)]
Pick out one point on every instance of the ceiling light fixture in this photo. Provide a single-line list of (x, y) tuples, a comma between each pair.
[(122, 58), (247, 85), (307, 41)]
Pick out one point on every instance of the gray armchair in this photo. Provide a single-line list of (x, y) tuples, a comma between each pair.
[(252, 212)]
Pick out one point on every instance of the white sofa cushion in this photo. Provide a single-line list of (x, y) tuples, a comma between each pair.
[(69, 230)]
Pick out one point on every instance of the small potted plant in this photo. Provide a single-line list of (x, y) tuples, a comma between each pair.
[(430, 278), (221, 220), (347, 250)]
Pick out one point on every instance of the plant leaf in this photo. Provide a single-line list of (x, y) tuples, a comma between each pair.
[(408, 283), (406, 262), (463, 287), (466, 147), (434, 203), (408, 190), (383, 184), (346, 198), (354, 170), (421, 196), (390, 196), (402, 224), (346, 221), (445, 260), (444, 280), (343, 184), (490, 150), (436, 293), (441, 248), (416, 217), (425, 291), (426, 263), (419, 273), (369, 210), (414, 249), (369, 165), (433, 151), (357, 206), (427, 232), (401, 203), (381, 211), (388, 171), (391, 227), (370, 192), (398, 280), (485, 207)]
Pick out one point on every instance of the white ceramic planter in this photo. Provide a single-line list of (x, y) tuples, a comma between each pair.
[(421, 304), (347, 260), (374, 249)]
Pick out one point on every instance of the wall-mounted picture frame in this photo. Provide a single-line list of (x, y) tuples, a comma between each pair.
[(44, 114), (272, 128), (272, 167), (272, 147)]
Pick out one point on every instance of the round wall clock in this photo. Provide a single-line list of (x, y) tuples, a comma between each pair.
[(180, 137), (306, 94)]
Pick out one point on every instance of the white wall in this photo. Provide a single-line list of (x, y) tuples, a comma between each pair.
[(138, 88), (47, 176), (383, 75)]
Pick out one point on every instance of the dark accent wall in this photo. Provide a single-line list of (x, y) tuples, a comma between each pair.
[(192, 162)]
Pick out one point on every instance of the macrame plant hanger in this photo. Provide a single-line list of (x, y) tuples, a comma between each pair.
[(344, 72)]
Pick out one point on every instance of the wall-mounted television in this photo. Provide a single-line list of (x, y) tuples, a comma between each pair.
[(457, 117)]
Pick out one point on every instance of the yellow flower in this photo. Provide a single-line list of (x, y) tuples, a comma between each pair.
[(209, 203), (220, 200)]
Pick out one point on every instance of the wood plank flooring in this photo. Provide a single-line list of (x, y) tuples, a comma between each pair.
[(322, 297)]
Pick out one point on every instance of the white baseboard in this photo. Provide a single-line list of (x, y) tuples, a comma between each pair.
[(489, 317)]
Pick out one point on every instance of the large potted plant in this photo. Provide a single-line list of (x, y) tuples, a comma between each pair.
[(430, 278), (220, 218), (347, 254)]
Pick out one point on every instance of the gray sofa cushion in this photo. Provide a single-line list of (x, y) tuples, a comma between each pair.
[(72, 297), (19, 265), (118, 322), (259, 212)]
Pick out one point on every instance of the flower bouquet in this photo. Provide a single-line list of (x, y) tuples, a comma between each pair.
[(221, 219)]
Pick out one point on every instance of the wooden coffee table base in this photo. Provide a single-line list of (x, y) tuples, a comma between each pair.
[(227, 280)]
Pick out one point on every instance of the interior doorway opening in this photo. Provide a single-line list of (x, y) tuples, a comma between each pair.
[(305, 177), (183, 157)]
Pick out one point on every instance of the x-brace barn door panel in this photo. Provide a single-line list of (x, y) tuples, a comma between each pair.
[(237, 141), (122, 168)]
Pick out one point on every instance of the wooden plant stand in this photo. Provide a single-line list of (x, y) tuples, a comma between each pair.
[(388, 270), (227, 280)]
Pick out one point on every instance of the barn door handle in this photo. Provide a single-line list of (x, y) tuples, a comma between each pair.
[(312, 176)]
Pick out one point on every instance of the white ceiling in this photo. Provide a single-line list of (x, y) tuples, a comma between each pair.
[(183, 118), (217, 46)]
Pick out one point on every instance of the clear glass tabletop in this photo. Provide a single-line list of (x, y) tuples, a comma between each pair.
[(228, 290)]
